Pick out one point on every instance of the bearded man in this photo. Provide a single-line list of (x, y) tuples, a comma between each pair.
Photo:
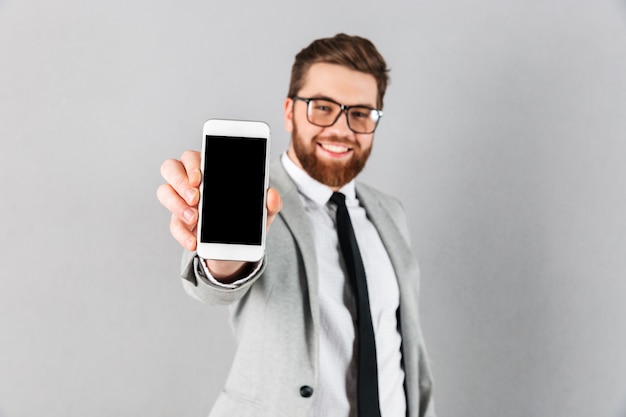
[(327, 322)]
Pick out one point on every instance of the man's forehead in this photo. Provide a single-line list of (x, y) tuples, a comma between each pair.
[(340, 83)]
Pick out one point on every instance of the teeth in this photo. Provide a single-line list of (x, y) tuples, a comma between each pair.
[(335, 148)]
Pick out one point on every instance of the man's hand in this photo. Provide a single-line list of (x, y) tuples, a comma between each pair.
[(181, 194)]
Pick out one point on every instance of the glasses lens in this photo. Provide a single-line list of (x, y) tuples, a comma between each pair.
[(323, 112), (363, 119)]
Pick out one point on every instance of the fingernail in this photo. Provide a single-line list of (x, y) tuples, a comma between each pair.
[(190, 194), (189, 215), (196, 175)]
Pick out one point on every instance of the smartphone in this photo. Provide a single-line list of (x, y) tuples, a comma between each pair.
[(235, 177)]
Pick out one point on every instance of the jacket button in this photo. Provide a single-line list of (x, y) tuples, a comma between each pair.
[(306, 391)]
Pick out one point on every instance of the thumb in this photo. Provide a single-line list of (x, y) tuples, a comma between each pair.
[(274, 204)]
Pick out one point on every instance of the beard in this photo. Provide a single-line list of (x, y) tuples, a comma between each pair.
[(334, 174)]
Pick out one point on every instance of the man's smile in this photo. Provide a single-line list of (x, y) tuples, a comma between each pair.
[(335, 148)]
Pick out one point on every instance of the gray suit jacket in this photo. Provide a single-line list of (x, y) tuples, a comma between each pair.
[(275, 315)]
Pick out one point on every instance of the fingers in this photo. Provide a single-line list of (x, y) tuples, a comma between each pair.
[(274, 204), (184, 217), (172, 201), (191, 162), (184, 234), (184, 176), (180, 195)]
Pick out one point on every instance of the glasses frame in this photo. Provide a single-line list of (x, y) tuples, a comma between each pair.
[(342, 109)]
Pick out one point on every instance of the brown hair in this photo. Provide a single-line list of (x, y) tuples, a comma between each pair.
[(354, 52)]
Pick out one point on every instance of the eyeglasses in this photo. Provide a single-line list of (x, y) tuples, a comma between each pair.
[(324, 112)]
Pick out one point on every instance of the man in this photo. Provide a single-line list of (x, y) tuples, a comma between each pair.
[(296, 316)]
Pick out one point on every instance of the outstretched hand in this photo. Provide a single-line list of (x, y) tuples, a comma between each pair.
[(180, 194)]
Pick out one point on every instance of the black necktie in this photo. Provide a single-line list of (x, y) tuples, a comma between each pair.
[(367, 376)]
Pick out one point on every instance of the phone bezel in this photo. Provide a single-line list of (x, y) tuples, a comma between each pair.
[(235, 129)]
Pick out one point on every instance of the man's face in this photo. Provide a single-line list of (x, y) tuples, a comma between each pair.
[(333, 155)]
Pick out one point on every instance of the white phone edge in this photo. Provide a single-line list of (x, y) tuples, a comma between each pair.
[(231, 251)]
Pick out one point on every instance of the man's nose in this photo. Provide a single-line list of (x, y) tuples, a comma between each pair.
[(341, 126)]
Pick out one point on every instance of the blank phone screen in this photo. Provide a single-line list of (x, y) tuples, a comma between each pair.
[(234, 190)]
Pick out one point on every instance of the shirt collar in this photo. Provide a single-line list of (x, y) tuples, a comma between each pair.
[(310, 187)]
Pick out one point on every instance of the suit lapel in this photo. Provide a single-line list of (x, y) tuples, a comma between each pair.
[(295, 218), (397, 247)]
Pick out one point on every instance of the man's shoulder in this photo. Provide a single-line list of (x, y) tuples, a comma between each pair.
[(382, 206), (370, 195), (279, 178), (367, 191)]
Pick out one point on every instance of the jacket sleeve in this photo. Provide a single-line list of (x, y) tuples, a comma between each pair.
[(198, 286)]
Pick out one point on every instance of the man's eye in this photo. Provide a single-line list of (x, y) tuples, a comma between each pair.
[(360, 114), (322, 107)]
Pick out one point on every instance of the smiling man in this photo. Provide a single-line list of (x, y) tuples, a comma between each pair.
[(336, 154), (327, 322)]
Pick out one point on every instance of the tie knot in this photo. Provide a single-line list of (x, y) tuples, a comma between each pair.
[(339, 199)]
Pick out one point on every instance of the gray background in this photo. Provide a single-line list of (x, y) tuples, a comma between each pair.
[(504, 134)]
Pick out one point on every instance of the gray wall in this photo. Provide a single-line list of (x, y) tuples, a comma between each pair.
[(504, 135)]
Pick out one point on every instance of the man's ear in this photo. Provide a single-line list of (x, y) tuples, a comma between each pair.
[(288, 114)]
